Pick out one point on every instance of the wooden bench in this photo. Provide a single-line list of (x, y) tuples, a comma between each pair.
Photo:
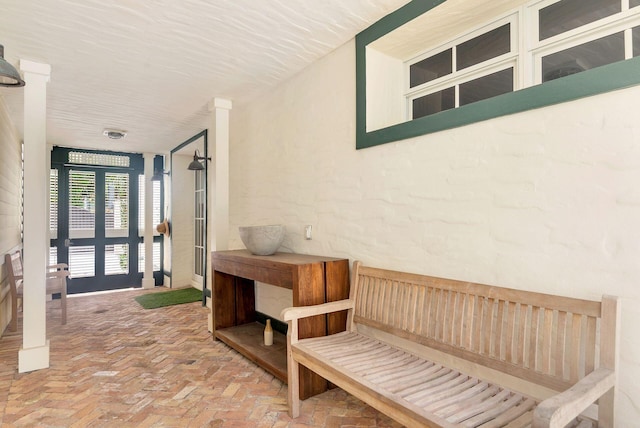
[(56, 282), (437, 352)]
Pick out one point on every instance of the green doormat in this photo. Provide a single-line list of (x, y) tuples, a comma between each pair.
[(168, 298)]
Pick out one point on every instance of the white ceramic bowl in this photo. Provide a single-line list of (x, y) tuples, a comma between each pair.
[(262, 240)]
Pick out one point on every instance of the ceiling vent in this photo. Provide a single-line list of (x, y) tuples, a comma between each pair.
[(114, 134)]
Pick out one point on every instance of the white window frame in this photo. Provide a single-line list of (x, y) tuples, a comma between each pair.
[(458, 77), (622, 21), (526, 50)]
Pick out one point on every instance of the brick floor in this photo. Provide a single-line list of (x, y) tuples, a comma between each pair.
[(115, 364)]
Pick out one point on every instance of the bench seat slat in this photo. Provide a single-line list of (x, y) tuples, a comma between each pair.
[(492, 410), (424, 388), (362, 354), (406, 371), (524, 421), (452, 411), (384, 366), (447, 389), (512, 414), (473, 387), (458, 397), (396, 385)]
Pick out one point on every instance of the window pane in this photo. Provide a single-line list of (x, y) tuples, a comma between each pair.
[(53, 255), (636, 40), (53, 204), (82, 204), (82, 261), (634, 3), (116, 205), (156, 205), (199, 223), (434, 103), (566, 15), (430, 68), (486, 46), (488, 86), (99, 159), (156, 257), (116, 259), (583, 57)]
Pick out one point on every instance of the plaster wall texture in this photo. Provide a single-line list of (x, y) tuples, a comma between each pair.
[(546, 200), (10, 185), (181, 222)]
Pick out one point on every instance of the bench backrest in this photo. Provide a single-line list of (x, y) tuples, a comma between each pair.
[(13, 264), (549, 340)]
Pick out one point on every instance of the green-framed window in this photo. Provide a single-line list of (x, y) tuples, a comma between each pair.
[(528, 55)]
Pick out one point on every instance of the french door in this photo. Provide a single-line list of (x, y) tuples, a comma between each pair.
[(199, 229), (96, 228)]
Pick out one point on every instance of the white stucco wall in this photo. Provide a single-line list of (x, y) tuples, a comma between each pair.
[(10, 188), (546, 200), (181, 222)]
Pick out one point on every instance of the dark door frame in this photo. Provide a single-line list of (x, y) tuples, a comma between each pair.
[(100, 282), (202, 134)]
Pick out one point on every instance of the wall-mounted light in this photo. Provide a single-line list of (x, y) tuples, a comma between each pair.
[(157, 175), (9, 76), (195, 164)]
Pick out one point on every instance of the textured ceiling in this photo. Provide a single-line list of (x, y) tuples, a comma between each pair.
[(442, 24), (150, 67)]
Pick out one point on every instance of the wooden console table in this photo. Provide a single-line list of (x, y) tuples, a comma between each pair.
[(313, 280)]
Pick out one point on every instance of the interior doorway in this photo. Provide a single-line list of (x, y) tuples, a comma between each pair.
[(189, 214), (97, 218)]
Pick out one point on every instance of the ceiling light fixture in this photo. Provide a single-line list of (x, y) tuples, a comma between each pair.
[(114, 134), (195, 164), (9, 76)]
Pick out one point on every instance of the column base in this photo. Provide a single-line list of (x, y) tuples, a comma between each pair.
[(33, 358), (148, 283)]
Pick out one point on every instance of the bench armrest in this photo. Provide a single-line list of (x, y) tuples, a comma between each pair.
[(59, 266), (297, 312), (57, 274), (559, 410)]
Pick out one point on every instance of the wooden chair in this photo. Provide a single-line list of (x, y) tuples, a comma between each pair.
[(56, 283)]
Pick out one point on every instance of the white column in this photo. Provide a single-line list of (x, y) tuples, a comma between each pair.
[(218, 184), (147, 280), (34, 353), (219, 178)]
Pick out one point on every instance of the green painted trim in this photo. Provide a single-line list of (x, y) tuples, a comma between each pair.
[(385, 25), (599, 80), (397, 19)]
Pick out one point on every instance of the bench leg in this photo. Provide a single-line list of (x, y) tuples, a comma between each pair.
[(293, 388), (13, 324), (63, 305), (605, 410), (293, 372)]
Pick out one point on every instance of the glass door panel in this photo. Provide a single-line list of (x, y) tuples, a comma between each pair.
[(82, 204), (53, 255), (116, 259), (199, 226), (156, 257), (82, 261), (53, 204), (116, 210), (156, 205)]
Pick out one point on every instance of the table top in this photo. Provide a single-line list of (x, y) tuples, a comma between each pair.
[(286, 258), (280, 269)]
